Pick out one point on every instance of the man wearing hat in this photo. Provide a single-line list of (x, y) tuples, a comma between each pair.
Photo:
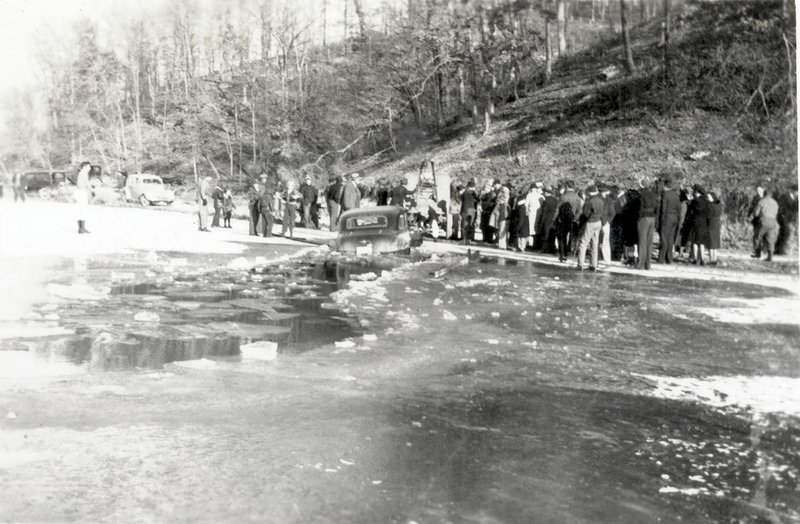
[(309, 193), (593, 211), (253, 205), (669, 216), (351, 195)]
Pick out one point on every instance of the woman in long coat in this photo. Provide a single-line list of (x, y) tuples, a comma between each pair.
[(630, 231), (699, 235), (502, 214), (714, 227)]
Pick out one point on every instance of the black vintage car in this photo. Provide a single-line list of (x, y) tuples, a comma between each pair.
[(376, 230), (36, 180)]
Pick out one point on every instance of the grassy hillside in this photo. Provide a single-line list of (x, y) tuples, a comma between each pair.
[(729, 97)]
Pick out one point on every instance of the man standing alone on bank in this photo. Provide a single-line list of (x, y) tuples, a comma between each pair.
[(669, 216), (309, 194), (82, 196)]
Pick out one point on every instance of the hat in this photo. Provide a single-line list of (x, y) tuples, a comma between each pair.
[(538, 185), (602, 188), (354, 175), (699, 189), (592, 190)]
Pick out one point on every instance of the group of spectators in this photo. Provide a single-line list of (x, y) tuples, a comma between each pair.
[(268, 201), (617, 223)]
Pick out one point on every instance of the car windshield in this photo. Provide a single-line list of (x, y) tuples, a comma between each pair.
[(151, 181), (367, 221)]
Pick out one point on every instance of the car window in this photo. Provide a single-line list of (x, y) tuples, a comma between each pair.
[(366, 221), (401, 222)]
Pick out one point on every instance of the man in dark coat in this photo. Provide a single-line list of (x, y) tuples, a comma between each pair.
[(266, 209), (468, 212), (488, 202), (253, 202), (669, 216), (645, 226), (382, 196), (398, 194), (333, 195), (569, 212), (547, 216), (309, 194), (754, 218)]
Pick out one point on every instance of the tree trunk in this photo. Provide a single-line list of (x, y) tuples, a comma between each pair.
[(666, 40), (642, 11), (362, 22), (392, 140), (629, 65), (560, 20), (345, 26), (324, 23), (462, 94), (266, 30), (548, 64)]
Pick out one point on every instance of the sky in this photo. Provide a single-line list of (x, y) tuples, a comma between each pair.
[(22, 20)]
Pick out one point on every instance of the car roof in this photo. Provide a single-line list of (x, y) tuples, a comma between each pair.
[(390, 211)]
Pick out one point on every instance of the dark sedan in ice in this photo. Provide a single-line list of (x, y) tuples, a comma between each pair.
[(376, 230)]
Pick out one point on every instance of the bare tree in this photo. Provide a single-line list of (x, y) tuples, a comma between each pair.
[(626, 38), (561, 22)]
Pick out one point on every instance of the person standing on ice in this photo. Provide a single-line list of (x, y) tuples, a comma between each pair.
[(217, 197), (82, 196), (202, 196)]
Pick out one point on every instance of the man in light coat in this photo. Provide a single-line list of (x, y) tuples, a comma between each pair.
[(351, 195)]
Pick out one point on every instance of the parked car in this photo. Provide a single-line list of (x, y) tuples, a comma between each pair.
[(43, 182), (147, 189), (376, 230)]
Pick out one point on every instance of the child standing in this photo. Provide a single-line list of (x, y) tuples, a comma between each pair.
[(227, 208)]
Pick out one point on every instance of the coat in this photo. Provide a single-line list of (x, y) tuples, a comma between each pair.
[(714, 225), (351, 196), (699, 233)]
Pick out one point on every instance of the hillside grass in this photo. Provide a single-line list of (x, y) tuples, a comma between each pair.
[(586, 128)]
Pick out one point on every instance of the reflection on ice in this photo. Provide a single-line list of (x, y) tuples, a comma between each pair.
[(760, 394)]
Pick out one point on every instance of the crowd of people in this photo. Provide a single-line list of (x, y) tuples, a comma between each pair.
[(617, 223)]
